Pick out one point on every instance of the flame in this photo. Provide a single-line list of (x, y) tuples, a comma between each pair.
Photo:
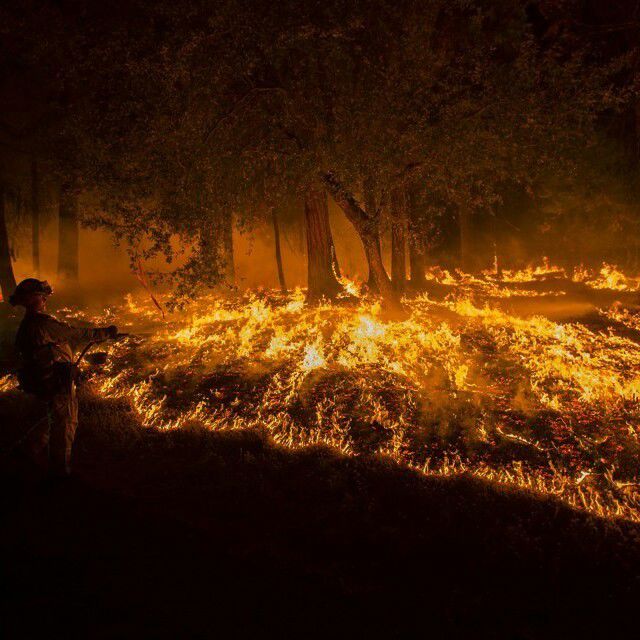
[(462, 385), (313, 358)]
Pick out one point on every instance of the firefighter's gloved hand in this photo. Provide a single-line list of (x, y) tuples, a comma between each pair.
[(112, 332)]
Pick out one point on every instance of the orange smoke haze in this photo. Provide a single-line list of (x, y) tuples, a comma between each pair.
[(105, 270)]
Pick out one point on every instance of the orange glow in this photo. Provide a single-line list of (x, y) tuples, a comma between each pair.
[(462, 385)]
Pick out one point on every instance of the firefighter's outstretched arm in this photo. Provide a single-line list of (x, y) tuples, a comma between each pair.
[(63, 332)]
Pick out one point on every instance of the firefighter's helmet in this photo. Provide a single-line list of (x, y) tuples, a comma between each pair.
[(27, 288)]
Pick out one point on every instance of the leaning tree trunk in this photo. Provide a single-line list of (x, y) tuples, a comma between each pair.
[(68, 233), (382, 283), (7, 279), (367, 227), (321, 273), (466, 238), (276, 234), (35, 217), (398, 253)]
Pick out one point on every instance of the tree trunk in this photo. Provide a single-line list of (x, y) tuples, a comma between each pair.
[(497, 259), (367, 226), (381, 281), (321, 277), (276, 234), (68, 233), (227, 241), (417, 263), (370, 207), (35, 217), (416, 245), (398, 253), (466, 238), (372, 282), (7, 279)]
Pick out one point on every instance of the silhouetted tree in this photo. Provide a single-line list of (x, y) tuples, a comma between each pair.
[(7, 279)]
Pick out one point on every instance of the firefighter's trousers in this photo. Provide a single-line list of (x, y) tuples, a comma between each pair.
[(53, 442)]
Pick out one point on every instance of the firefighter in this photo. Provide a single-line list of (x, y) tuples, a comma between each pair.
[(48, 371)]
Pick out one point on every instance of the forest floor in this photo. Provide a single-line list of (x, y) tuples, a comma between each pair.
[(190, 533)]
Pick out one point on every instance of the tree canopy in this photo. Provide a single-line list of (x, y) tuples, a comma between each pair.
[(180, 115)]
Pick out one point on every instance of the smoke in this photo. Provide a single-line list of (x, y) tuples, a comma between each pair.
[(521, 234), (105, 274)]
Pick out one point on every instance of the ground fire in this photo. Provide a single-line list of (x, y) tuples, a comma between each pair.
[(476, 380)]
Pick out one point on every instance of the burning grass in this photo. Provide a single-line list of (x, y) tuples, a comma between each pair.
[(463, 385)]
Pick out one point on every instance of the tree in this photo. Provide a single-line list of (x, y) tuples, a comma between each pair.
[(35, 216), (367, 224), (457, 98), (7, 279), (276, 236), (321, 263), (398, 224)]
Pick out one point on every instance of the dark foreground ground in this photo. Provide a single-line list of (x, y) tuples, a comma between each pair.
[(193, 534)]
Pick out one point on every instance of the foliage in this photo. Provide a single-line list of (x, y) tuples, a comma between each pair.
[(181, 115)]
